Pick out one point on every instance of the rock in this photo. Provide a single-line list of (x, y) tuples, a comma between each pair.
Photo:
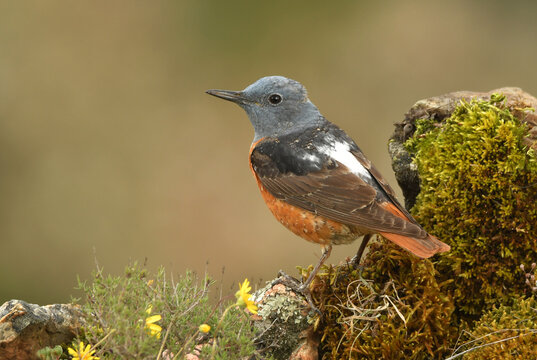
[(285, 322), (439, 108), (308, 348), (26, 328)]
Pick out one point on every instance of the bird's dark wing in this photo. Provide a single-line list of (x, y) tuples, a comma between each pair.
[(327, 188), (386, 188)]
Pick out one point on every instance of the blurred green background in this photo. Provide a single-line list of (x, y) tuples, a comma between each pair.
[(110, 150)]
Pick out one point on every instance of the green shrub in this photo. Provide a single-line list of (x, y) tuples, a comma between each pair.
[(117, 310)]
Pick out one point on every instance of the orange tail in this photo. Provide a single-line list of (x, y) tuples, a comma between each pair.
[(423, 248)]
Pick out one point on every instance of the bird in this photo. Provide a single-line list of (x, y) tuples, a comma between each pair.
[(315, 179)]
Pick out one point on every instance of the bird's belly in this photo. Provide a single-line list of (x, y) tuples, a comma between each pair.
[(309, 226)]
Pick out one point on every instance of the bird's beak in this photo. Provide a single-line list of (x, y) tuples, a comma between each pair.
[(234, 96)]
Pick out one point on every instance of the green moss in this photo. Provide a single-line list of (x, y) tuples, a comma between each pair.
[(394, 309), (506, 332), (423, 127), (479, 194)]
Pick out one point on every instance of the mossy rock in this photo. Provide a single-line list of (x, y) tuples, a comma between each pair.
[(477, 191), (394, 309), (478, 194), (437, 109), (506, 332)]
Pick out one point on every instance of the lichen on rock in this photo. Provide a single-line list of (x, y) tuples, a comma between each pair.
[(284, 322)]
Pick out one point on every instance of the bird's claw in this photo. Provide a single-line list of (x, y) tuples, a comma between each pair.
[(296, 286)]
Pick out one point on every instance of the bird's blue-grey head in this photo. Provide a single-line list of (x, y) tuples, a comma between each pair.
[(275, 105)]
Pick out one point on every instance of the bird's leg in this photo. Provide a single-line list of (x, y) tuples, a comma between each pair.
[(303, 289), (294, 284), (327, 249), (356, 259)]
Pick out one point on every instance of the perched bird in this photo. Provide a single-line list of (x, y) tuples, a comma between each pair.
[(315, 179)]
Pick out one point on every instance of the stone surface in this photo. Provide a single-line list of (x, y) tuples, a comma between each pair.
[(25, 328), (439, 108), (285, 322)]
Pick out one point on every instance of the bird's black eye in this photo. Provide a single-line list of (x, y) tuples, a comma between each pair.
[(275, 99)]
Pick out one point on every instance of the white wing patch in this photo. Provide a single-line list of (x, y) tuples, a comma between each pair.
[(340, 152), (310, 157)]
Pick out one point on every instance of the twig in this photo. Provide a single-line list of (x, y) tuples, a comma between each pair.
[(104, 338), (492, 343)]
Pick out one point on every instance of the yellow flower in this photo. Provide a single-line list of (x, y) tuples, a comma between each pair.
[(243, 297), (153, 329), (204, 328), (82, 353)]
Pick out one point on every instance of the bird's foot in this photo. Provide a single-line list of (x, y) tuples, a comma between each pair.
[(356, 265), (296, 286), (286, 280), (355, 262), (305, 291)]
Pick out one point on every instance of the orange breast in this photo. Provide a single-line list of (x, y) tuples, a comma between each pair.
[(306, 224)]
